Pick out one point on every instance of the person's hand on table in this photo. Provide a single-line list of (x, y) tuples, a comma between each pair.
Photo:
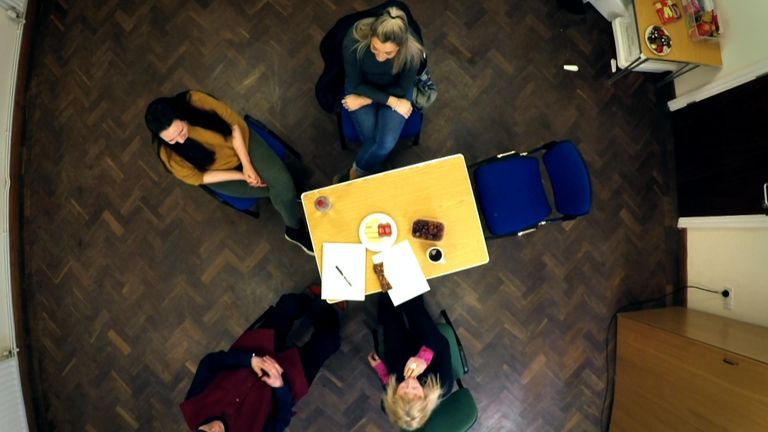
[(414, 367)]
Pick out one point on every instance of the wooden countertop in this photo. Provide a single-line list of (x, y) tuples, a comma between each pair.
[(683, 48)]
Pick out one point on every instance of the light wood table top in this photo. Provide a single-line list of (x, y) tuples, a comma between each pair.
[(684, 50), (436, 190)]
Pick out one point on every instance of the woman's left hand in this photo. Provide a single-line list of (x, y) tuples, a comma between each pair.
[(403, 107), (414, 367), (252, 177)]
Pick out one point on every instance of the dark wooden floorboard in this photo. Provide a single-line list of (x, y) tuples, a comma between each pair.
[(132, 276)]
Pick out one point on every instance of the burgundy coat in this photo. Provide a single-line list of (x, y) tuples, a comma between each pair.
[(239, 395)]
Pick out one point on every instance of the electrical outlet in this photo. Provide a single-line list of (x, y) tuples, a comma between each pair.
[(728, 301)]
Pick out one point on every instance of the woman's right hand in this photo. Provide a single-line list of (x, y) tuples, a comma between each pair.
[(252, 177), (353, 102), (414, 367), (268, 370), (404, 107), (373, 359)]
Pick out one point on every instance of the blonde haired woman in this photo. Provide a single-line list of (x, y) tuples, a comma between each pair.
[(418, 356), (381, 57)]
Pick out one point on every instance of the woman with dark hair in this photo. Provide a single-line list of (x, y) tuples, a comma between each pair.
[(381, 57), (201, 140)]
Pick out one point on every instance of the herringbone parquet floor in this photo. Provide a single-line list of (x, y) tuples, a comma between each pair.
[(132, 276)]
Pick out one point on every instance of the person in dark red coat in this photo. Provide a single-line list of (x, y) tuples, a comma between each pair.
[(253, 386)]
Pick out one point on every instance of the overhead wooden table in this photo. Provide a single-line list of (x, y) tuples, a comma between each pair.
[(437, 190), (684, 50)]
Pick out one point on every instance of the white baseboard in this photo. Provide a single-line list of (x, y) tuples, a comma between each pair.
[(719, 222), (720, 85)]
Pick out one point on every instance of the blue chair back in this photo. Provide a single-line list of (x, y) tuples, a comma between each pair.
[(569, 177), (261, 130)]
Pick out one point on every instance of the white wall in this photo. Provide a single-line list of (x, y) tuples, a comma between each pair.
[(744, 51), (736, 258), (611, 9)]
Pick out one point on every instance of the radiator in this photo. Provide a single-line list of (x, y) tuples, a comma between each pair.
[(12, 415), (16, 5)]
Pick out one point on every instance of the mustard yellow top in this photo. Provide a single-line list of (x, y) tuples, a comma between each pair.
[(225, 156)]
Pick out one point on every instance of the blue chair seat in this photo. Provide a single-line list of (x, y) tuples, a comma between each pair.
[(511, 194)]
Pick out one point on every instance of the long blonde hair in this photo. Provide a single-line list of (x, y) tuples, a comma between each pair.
[(411, 413), (391, 26)]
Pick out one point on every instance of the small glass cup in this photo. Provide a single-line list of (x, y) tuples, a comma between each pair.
[(322, 204), (435, 255)]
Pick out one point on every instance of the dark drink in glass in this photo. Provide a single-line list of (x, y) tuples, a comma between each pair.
[(435, 255)]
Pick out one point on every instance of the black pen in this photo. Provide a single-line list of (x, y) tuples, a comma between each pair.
[(342, 275)]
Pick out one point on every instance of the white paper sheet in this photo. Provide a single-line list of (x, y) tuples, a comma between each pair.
[(403, 272), (343, 271)]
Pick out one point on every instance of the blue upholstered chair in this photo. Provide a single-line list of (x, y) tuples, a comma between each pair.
[(250, 206), (458, 411), (511, 194), (348, 133)]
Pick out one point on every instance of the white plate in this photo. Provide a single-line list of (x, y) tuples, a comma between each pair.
[(648, 32), (371, 224)]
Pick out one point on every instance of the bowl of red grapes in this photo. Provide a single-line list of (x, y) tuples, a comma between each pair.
[(428, 230), (658, 40)]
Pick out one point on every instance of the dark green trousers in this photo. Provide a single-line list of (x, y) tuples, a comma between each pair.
[(280, 188)]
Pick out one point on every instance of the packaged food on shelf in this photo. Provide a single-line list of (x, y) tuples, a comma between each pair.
[(701, 20), (667, 10)]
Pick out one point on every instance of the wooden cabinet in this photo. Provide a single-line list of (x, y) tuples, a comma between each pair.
[(682, 370)]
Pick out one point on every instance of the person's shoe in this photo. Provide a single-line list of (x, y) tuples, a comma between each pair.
[(300, 238)]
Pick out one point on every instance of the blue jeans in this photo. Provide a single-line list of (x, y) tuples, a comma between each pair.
[(379, 129)]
